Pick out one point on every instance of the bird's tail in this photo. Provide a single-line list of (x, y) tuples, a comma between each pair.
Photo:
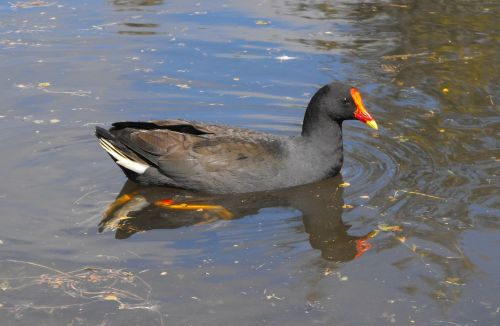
[(121, 154)]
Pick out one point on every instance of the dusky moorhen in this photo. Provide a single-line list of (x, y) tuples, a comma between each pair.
[(224, 159)]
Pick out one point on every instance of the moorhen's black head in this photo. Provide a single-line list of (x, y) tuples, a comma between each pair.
[(337, 102)]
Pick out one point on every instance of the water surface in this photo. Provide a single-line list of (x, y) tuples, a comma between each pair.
[(407, 235)]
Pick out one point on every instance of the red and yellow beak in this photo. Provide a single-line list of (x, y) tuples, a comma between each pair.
[(361, 113)]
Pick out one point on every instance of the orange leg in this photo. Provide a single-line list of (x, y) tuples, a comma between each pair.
[(218, 209), (118, 202)]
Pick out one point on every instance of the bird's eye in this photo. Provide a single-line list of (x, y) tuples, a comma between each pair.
[(345, 100)]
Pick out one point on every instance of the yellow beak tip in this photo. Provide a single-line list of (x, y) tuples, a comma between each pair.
[(372, 124)]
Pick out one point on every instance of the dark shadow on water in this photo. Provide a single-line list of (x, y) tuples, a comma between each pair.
[(139, 209), (127, 3), (136, 33), (137, 28)]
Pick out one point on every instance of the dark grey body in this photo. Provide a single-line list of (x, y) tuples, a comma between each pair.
[(221, 159)]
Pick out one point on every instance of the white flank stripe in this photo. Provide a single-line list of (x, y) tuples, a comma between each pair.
[(121, 159), (107, 147), (138, 168)]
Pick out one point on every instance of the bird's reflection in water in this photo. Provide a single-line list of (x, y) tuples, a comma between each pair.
[(139, 209)]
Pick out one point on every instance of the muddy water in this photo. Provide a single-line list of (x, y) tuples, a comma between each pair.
[(408, 234)]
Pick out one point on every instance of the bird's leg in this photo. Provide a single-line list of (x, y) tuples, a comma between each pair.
[(117, 203), (118, 215), (221, 211)]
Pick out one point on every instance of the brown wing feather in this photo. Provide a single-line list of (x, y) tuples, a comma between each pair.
[(161, 142), (216, 160), (216, 130), (206, 155)]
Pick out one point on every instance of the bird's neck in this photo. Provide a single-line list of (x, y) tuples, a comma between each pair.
[(323, 138), (326, 135), (319, 126)]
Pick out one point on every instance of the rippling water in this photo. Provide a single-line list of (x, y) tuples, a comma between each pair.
[(408, 234)]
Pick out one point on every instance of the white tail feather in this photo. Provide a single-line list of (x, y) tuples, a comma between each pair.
[(122, 159)]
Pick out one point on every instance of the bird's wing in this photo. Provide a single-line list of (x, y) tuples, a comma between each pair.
[(190, 152)]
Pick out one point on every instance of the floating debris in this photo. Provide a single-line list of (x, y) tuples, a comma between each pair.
[(344, 185), (111, 297), (389, 68), (416, 193), (262, 22), (43, 86), (273, 296), (398, 5), (402, 139), (389, 228), (81, 287), (407, 55), (454, 281), (72, 93), (24, 86), (31, 4), (329, 272)]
